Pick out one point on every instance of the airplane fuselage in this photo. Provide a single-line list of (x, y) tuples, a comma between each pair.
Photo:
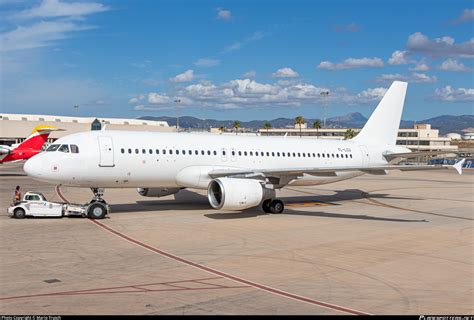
[(121, 159)]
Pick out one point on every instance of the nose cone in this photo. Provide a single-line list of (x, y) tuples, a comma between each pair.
[(32, 167)]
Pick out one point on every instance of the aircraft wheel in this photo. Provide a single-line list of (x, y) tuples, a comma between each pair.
[(277, 206), (97, 210), (266, 206), (19, 213)]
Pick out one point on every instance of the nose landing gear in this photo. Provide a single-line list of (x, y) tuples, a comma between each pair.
[(97, 208)]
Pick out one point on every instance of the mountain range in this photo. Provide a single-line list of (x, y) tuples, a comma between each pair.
[(444, 123)]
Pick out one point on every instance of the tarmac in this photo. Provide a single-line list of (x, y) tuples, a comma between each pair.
[(396, 244)]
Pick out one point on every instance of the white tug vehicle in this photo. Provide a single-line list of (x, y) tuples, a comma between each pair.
[(34, 204)]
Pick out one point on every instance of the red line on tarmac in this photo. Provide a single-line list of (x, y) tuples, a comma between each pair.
[(58, 192), (228, 276)]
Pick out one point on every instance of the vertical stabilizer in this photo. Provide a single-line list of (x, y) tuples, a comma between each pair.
[(382, 126)]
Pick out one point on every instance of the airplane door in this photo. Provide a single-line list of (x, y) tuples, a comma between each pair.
[(106, 149), (365, 155)]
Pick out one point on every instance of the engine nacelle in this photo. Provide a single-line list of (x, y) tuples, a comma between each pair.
[(157, 192), (234, 194)]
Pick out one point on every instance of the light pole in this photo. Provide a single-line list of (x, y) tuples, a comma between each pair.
[(325, 94), (177, 113)]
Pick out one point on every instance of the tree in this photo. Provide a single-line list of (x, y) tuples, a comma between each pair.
[(267, 125), (349, 134), (221, 129), (236, 126), (317, 126), (299, 120)]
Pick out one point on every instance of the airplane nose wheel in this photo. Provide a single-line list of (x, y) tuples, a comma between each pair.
[(97, 208), (273, 206)]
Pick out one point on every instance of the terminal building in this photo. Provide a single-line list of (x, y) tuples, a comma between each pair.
[(419, 138), (14, 128)]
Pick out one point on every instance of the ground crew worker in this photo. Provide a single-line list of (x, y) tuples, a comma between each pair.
[(17, 194)]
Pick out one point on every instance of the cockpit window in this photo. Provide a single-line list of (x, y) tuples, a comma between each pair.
[(64, 148), (53, 147), (74, 148)]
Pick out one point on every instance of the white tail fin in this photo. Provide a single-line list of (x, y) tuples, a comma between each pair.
[(382, 126)]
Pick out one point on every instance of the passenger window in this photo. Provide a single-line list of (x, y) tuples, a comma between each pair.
[(190, 152), (294, 154), (157, 151), (251, 153), (233, 153), (143, 151), (215, 152), (171, 151), (333, 155), (278, 154), (245, 153), (53, 147), (319, 155), (314, 155), (304, 155), (150, 151), (262, 153), (75, 149), (202, 152), (64, 148), (323, 155), (136, 151), (268, 154), (282, 154), (273, 154), (184, 152), (196, 152), (299, 155), (121, 150), (164, 151), (240, 153), (350, 155), (129, 150), (327, 155), (177, 151), (337, 155), (208, 152)]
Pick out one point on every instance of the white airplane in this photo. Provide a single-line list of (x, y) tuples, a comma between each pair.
[(239, 172)]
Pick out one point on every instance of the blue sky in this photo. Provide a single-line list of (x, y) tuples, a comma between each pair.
[(234, 59)]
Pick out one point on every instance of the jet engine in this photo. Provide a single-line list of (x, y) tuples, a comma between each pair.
[(157, 192), (234, 193)]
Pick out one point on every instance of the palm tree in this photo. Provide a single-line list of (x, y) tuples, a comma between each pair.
[(317, 126), (221, 129), (267, 125), (349, 134), (299, 120), (236, 126)]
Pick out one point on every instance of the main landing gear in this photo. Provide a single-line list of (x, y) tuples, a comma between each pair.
[(274, 206), (97, 208)]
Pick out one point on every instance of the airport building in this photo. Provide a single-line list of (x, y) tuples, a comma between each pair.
[(14, 128), (419, 138)]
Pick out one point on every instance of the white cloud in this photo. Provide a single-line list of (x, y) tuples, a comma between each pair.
[(420, 66), (207, 62), (451, 94), (38, 35), (285, 73), (440, 47), (399, 57), (453, 65), (155, 98), (352, 63), (372, 94), (136, 99), (467, 15), (258, 35), (249, 74), (223, 14), (421, 77), (186, 76), (391, 77), (56, 8)]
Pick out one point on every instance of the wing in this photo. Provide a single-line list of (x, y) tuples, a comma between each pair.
[(328, 171), (392, 157)]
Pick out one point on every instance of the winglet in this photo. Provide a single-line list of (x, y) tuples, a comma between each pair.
[(458, 165)]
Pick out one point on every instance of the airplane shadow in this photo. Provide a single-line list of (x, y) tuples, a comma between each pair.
[(188, 200)]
